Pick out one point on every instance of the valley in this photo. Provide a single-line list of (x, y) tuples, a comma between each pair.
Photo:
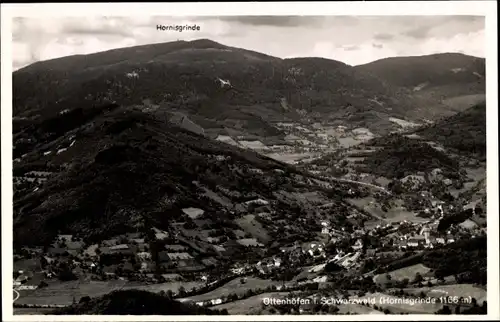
[(210, 187)]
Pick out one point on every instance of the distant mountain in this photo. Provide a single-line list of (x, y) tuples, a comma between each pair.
[(455, 80), (134, 302), (220, 88)]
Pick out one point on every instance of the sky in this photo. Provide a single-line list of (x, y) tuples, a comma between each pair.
[(353, 40)]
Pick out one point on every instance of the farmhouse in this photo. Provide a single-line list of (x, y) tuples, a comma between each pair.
[(193, 212), (179, 257), (258, 201), (120, 249), (416, 241), (175, 248), (209, 262), (249, 242), (440, 240)]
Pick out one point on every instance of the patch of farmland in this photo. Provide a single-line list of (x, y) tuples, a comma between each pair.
[(460, 290), (357, 309), (235, 286), (251, 305), (253, 227), (398, 305), (402, 273)]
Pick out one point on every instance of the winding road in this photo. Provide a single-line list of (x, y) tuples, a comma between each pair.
[(16, 295), (366, 184)]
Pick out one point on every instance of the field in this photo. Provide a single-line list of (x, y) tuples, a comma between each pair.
[(251, 305), (234, 286), (252, 226), (31, 311), (394, 304), (463, 102), (460, 290), (290, 157), (63, 293), (400, 274), (403, 123), (347, 142), (27, 265), (357, 309), (395, 214)]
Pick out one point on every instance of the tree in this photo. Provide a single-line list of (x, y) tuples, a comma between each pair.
[(67, 275), (418, 278), (445, 310), (182, 291), (386, 311), (42, 284), (85, 299)]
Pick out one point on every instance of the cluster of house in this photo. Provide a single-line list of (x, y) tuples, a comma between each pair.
[(418, 235), (334, 234), (267, 265), (133, 247)]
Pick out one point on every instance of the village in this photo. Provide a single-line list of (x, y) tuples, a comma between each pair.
[(160, 257)]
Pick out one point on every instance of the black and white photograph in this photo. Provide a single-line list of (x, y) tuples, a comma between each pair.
[(250, 164)]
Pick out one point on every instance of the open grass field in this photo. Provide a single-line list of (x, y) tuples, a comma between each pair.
[(63, 293), (460, 290), (235, 286), (357, 309), (31, 311), (252, 226), (402, 273), (249, 306), (395, 214), (27, 265), (395, 306), (173, 286), (460, 103)]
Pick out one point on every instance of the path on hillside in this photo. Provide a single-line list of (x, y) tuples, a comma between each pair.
[(359, 183)]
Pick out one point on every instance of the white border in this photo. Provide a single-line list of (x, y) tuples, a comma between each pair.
[(481, 8)]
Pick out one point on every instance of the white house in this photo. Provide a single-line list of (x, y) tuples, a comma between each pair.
[(320, 279), (440, 240), (426, 232), (258, 202), (413, 243)]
